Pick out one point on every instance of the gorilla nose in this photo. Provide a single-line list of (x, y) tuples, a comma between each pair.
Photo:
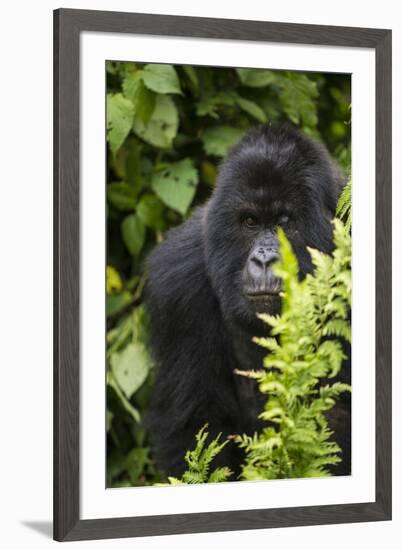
[(259, 278), (260, 261)]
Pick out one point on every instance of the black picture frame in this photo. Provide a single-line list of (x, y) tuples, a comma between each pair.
[(68, 24)]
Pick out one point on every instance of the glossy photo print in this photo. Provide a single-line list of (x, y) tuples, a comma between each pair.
[(228, 276)]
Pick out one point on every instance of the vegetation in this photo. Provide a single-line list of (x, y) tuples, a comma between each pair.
[(168, 128), (305, 348), (344, 208), (199, 462)]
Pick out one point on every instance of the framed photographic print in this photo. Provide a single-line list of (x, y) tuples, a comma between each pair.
[(220, 187)]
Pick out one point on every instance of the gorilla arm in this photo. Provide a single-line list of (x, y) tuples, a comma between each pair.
[(195, 381)]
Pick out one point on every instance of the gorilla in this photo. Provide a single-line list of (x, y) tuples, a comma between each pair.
[(210, 277)]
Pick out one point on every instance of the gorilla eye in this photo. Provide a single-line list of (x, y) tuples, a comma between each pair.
[(251, 222)]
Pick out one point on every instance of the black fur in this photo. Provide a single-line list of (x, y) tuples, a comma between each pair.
[(201, 321)]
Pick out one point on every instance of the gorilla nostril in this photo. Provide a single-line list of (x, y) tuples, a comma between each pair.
[(264, 259), (257, 262)]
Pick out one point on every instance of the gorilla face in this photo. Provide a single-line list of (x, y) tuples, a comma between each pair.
[(271, 178), (260, 284)]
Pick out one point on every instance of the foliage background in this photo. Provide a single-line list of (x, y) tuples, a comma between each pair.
[(168, 127)]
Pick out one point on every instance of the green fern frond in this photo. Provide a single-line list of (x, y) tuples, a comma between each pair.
[(199, 461), (219, 475), (338, 327), (344, 208)]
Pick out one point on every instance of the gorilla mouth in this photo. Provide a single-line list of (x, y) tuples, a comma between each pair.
[(262, 295), (264, 301)]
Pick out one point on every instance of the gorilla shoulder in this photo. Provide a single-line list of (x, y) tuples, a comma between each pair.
[(176, 274)]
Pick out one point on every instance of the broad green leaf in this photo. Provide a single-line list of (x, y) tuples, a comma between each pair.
[(135, 462), (208, 104), (298, 98), (121, 196), (113, 280), (130, 85), (141, 97), (125, 68), (150, 211), (219, 139), (120, 112), (117, 162), (133, 233), (146, 101), (132, 411), (176, 185), (251, 108), (111, 67), (130, 367), (117, 302), (161, 78), (118, 337), (256, 78), (139, 320), (162, 126)]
